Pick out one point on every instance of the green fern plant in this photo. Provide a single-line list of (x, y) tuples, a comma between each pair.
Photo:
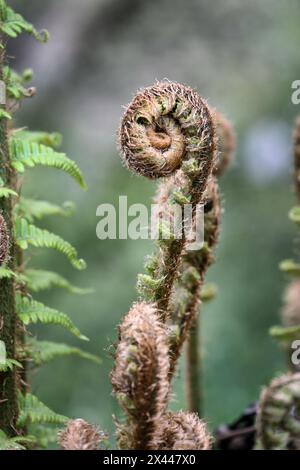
[(20, 411)]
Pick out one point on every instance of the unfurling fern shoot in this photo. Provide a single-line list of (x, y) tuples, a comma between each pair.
[(278, 425), (167, 132), (20, 150), (168, 129)]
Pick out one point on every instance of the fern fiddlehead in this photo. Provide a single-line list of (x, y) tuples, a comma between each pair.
[(80, 435), (167, 132), (140, 375), (278, 420), (169, 129)]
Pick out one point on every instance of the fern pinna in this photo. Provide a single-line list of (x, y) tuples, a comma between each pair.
[(21, 412)]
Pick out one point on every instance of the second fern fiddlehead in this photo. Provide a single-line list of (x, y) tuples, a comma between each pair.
[(140, 377), (278, 420)]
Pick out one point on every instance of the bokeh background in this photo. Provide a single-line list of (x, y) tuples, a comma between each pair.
[(242, 57)]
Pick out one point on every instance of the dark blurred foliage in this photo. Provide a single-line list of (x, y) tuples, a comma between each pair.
[(242, 57)]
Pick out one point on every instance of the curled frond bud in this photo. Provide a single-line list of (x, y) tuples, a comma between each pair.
[(169, 130), (80, 435), (278, 419), (4, 241), (297, 157), (183, 431), (140, 376), (226, 144), (291, 309), (164, 125)]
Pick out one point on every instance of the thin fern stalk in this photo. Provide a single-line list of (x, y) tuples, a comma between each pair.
[(8, 330), (201, 262), (194, 370)]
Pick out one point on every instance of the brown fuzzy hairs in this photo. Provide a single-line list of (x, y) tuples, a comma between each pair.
[(164, 125), (140, 376), (183, 431), (278, 414), (80, 435)]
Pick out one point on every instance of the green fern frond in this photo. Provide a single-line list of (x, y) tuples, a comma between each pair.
[(5, 363), (44, 435), (6, 273), (42, 352), (29, 154), (4, 114), (15, 83), (9, 364), (31, 311), (285, 333), (7, 192), (294, 215), (290, 267), (13, 24), (14, 443), (33, 411), (31, 209), (208, 292), (38, 280), (50, 139), (28, 234)]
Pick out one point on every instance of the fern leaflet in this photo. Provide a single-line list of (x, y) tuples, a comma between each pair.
[(31, 209), (50, 139), (28, 234), (14, 443), (285, 333), (29, 154), (14, 24), (31, 311), (38, 280), (42, 352), (33, 411)]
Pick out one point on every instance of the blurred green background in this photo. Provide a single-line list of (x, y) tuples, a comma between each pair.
[(242, 57)]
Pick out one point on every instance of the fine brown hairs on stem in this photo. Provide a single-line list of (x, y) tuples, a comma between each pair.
[(278, 426), (4, 241), (80, 435), (195, 264), (297, 157), (140, 375), (183, 431), (168, 129)]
